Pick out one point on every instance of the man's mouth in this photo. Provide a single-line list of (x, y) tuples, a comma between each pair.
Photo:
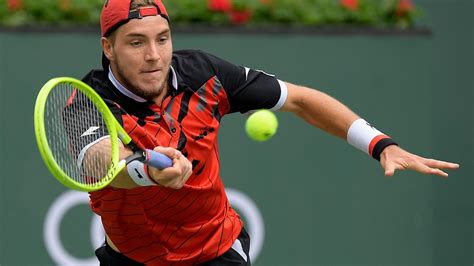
[(150, 71)]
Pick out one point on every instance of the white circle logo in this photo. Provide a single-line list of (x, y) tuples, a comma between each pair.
[(69, 199), (249, 210)]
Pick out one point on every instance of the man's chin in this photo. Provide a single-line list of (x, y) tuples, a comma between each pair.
[(149, 92)]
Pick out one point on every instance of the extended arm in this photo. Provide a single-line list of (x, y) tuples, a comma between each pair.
[(330, 115)]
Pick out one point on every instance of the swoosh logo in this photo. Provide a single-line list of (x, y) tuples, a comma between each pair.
[(90, 131), (138, 173)]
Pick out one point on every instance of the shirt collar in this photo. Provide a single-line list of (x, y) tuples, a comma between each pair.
[(128, 93), (174, 78)]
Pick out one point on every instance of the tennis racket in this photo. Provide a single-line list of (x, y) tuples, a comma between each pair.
[(79, 138)]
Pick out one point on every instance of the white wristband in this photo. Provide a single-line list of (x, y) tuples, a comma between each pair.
[(363, 136), (139, 174)]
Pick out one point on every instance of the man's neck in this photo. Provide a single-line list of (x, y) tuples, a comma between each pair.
[(166, 90)]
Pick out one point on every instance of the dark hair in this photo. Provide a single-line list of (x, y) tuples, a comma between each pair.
[(135, 4)]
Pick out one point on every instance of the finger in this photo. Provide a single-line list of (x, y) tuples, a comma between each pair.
[(440, 164), (168, 151), (188, 173), (439, 172), (422, 168), (165, 175), (175, 185)]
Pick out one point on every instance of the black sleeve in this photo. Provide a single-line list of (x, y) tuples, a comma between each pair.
[(247, 89)]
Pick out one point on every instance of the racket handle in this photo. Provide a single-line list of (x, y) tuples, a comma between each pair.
[(157, 160)]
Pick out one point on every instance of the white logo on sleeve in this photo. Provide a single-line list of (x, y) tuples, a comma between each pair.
[(91, 131), (247, 70)]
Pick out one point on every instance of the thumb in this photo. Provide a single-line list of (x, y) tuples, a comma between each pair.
[(389, 169), (168, 151)]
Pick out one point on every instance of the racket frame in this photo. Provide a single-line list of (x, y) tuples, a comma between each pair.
[(115, 132)]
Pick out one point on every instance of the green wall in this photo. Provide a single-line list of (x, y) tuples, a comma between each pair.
[(322, 201)]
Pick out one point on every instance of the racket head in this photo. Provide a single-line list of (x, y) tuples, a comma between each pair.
[(54, 143)]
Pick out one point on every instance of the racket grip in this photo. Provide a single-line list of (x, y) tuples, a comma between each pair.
[(157, 160)]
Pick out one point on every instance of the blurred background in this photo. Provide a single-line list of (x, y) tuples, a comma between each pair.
[(399, 13), (307, 198)]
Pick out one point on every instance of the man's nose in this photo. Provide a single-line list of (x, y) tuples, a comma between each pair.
[(152, 52)]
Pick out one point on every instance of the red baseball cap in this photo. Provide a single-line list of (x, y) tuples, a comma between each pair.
[(117, 12)]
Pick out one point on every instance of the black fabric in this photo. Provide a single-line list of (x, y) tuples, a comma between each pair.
[(231, 257), (109, 257), (380, 146), (245, 91), (99, 81)]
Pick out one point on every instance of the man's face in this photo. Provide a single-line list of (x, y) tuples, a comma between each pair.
[(140, 53)]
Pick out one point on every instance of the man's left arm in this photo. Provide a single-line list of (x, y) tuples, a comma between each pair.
[(333, 117)]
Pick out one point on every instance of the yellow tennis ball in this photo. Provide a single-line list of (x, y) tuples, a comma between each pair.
[(261, 125)]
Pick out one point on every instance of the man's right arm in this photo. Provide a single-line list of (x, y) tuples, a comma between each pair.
[(173, 177)]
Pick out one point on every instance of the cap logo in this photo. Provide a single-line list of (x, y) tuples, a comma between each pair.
[(116, 13), (143, 12)]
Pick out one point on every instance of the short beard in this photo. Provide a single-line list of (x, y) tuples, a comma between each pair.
[(148, 95)]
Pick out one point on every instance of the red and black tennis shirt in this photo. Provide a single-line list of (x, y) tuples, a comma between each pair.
[(161, 226)]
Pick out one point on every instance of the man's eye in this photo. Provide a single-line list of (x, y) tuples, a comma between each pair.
[(163, 40), (135, 43)]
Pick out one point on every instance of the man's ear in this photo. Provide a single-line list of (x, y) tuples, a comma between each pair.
[(107, 48)]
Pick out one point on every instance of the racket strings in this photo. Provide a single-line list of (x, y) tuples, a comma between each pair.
[(77, 135)]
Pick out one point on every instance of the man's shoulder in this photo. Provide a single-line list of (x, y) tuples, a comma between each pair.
[(190, 56), (197, 64), (193, 67), (189, 52), (95, 78), (99, 81)]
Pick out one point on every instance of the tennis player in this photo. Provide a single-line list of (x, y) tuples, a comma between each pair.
[(173, 102)]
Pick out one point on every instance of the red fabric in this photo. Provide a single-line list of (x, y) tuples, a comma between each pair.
[(148, 11), (115, 12), (161, 226), (375, 141)]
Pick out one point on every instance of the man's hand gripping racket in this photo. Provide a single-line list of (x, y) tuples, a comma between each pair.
[(79, 138)]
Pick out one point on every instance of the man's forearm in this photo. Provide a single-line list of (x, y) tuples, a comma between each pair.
[(319, 110)]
